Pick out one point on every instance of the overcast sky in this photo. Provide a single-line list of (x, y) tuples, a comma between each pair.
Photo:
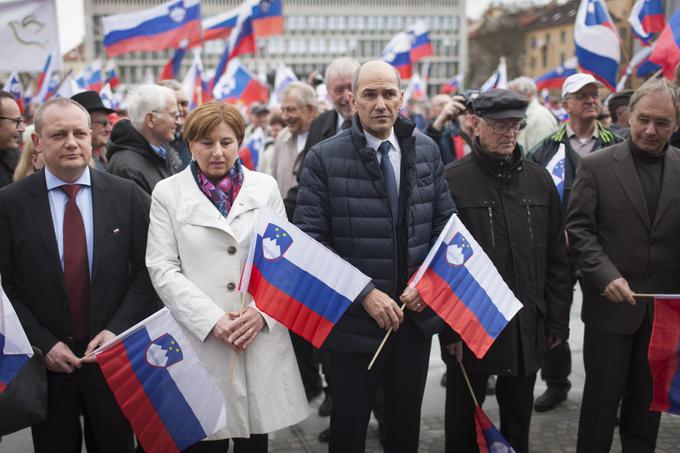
[(72, 28)]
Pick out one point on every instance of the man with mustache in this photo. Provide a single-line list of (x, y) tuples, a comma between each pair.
[(11, 127), (623, 222), (578, 137)]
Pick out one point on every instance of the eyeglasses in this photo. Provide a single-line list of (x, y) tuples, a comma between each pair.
[(17, 121), (175, 115), (584, 96), (103, 123), (503, 128)]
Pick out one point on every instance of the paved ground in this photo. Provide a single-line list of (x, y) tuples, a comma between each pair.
[(554, 431)]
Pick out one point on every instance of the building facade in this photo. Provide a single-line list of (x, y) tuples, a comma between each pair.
[(316, 32)]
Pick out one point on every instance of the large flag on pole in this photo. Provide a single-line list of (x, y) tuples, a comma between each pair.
[(238, 84), (499, 78), (664, 354), (13, 86), (296, 280), (398, 54), (639, 61), (554, 78), (597, 42), (193, 84), (172, 67), (646, 18), (461, 284), (667, 47), (15, 350), (166, 26), (160, 385), (421, 46), (48, 80), (268, 17), (241, 41)]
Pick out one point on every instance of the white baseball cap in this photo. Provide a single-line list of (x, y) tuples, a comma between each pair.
[(576, 82)]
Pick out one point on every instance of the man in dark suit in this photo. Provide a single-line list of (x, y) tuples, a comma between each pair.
[(72, 245), (623, 223)]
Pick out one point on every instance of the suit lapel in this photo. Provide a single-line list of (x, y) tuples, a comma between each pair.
[(624, 168), (669, 183), (42, 215), (101, 200)]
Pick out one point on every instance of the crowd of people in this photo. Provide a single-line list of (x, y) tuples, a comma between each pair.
[(107, 216)]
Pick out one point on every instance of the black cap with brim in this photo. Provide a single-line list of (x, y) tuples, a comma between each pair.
[(91, 101), (500, 104)]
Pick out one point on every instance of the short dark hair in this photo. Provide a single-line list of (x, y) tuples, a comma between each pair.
[(6, 95)]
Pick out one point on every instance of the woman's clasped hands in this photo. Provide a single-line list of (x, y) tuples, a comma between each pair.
[(239, 328)]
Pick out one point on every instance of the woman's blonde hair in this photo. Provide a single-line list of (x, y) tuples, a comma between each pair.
[(25, 165), (201, 121)]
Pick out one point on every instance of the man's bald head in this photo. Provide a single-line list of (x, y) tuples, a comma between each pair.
[(372, 69)]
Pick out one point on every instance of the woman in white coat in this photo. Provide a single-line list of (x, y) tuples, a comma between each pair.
[(201, 223)]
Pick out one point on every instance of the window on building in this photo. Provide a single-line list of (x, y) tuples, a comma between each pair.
[(547, 39), (563, 36), (544, 56), (532, 64)]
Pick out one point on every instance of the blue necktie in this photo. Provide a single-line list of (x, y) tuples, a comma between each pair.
[(390, 179)]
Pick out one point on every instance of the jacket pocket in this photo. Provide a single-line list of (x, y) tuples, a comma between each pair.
[(536, 213), (480, 209)]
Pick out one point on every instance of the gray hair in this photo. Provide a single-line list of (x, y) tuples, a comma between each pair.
[(174, 85), (304, 93), (146, 99), (62, 102), (661, 86), (341, 68), (357, 73), (523, 85)]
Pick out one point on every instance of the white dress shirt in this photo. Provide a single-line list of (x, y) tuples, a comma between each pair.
[(394, 153)]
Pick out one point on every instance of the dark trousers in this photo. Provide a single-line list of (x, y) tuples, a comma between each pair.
[(557, 367), (256, 443), (85, 390), (402, 367), (308, 363), (515, 396), (617, 372)]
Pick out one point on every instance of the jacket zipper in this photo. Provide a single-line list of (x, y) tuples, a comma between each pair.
[(531, 226), (493, 238)]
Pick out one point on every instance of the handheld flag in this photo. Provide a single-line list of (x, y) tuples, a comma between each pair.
[(421, 46), (160, 385), (398, 54), (666, 51), (489, 439), (554, 78), (252, 150), (556, 169), (241, 41), (296, 280), (268, 18), (453, 85), (218, 27), (646, 18), (48, 80), (13, 86), (171, 69), (640, 62), (499, 79), (461, 284), (664, 355), (194, 85), (112, 75), (597, 42), (239, 84), (416, 89), (162, 27), (284, 76), (15, 350)]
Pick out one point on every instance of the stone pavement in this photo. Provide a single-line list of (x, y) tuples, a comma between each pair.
[(554, 431)]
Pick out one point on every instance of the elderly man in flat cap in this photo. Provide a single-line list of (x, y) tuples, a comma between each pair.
[(513, 210)]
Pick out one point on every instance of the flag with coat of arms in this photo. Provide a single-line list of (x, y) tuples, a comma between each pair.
[(556, 169), (15, 350), (161, 386)]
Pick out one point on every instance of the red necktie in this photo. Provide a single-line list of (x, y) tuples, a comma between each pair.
[(76, 266)]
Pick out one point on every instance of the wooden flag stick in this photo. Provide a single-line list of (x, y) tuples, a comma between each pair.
[(658, 296), (233, 357), (382, 344), (467, 381)]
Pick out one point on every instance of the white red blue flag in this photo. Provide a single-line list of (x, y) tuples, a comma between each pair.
[(553, 79), (646, 18), (15, 350), (461, 284), (556, 169), (416, 89), (112, 77), (48, 80), (667, 47), (238, 84), (268, 17), (640, 64), (166, 26), (284, 77), (218, 27), (489, 439), (13, 86), (597, 42), (421, 46), (398, 54), (664, 354), (172, 67), (252, 149), (194, 85), (108, 97), (160, 385), (296, 280), (241, 41), (90, 78), (499, 79), (453, 85)]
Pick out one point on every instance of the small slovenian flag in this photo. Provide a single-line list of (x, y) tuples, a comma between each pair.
[(421, 46), (461, 284), (646, 18), (398, 54), (15, 350), (667, 47), (556, 169), (268, 18), (160, 385), (554, 78), (239, 84), (489, 439), (252, 149), (296, 280), (664, 354), (13, 86)]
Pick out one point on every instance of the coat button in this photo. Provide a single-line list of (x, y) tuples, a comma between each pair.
[(231, 250), (231, 286)]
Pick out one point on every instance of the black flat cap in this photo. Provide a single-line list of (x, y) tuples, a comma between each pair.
[(500, 104), (616, 100), (91, 101)]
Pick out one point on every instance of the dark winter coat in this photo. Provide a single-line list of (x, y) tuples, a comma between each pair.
[(343, 203), (8, 163), (131, 157), (513, 210)]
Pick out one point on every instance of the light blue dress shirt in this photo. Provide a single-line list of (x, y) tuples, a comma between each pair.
[(58, 200)]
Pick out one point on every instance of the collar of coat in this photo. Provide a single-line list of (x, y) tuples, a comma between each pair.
[(403, 129), (604, 135)]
